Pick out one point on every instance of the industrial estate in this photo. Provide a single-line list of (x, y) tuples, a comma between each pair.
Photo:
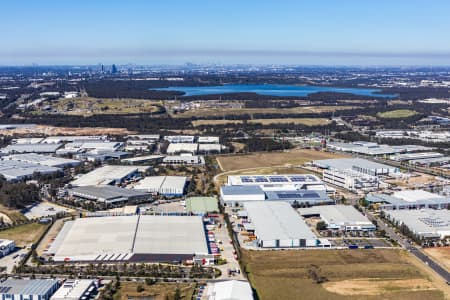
[(215, 181)]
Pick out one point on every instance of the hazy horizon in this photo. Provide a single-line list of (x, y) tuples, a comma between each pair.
[(322, 32)]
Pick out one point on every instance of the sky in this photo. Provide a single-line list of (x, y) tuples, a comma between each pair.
[(298, 32)]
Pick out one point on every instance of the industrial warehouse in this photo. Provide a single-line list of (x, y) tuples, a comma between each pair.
[(232, 195), (339, 217), (109, 195), (169, 186), (20, 289), (45, 160), (277, 225), (16, 170), (374, 149), (109, 175), (360, 165), (137, 238), (279, 182), (424, 223), (409, 199)]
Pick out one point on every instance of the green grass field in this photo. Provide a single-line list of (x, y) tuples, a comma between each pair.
[(24, 234), (348, 274), (397, 114), (159, 291)]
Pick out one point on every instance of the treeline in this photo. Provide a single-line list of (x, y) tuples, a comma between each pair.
[(18, 195), (408, 93), (255, 145)]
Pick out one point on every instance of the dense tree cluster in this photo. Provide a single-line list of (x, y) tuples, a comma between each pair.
[(18, 195), (255, 144)]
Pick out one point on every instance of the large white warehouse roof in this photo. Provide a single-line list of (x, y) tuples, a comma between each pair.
[(277, 221)]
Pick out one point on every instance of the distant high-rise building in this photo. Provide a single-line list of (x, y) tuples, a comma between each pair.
[(113, 69)]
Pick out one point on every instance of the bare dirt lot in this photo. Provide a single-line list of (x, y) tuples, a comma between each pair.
[(377, 286), (440, 255), (338, 274), (50, 130), (268, 159), (95, 106)]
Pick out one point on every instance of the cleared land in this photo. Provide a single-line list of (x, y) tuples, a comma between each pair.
[(215, 122), (11, 215), (207, 112), (159, 291), (346, 274), (95, 106), (50, 130), (270, 159), (440, 255), (303, 121), (24, 234), (397, 114)]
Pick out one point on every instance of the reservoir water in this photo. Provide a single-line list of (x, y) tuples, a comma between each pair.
[(282, 90)]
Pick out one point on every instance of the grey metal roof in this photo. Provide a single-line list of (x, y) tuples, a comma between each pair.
[(27, 286), (31, 148), (241, 190), (106, 192), (277, 221), (90, 238), (377, 198), (337, 214), (423, 221), (15, 170)]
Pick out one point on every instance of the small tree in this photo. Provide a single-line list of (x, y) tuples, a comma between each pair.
[(177, 295), (321, 225)]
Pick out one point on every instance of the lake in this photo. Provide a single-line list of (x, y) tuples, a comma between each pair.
[(282, 90)]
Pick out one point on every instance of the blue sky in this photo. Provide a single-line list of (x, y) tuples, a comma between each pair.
[(323, 32)]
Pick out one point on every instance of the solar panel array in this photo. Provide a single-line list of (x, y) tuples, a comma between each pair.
[(298, 195), (434, 222), (278, 178)]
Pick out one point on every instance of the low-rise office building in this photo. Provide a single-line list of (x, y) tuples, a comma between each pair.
[(359, 165), (351, 180), (184, 160)]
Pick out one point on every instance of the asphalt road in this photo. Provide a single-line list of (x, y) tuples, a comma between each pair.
[(411, 248)]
